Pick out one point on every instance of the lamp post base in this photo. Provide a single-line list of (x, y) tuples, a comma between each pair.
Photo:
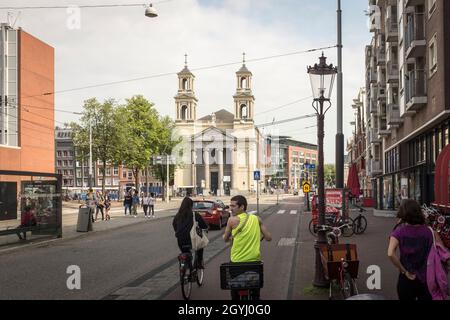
[(319, 278)]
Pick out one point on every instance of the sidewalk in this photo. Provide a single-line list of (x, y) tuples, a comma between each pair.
[(371, 249), (118, 220)]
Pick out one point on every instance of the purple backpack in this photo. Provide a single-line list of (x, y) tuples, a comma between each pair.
[(437, 270)]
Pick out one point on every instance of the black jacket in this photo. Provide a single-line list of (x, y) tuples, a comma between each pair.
[(183, 228)]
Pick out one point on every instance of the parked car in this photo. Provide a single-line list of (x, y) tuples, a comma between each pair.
[(214, 212)]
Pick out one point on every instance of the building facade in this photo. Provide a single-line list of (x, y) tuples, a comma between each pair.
[(65, 157), (26, 113), (409, 49), (221, 151)]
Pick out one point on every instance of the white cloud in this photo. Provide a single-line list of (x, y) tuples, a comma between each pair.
[(121, 43)]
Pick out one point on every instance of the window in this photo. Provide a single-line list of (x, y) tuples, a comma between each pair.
[(59, 171), (314, 156), (65, 172), (116, 171), (59, 162), (108, 171), (65, 163), (70, 163), (65, 153), (302, 154), (130, 174), (244, 112), (70, 172), (124, 174), (432, 55), (78, 173), (184, 112), (59, 153)]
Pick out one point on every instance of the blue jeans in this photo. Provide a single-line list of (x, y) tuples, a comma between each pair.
[(127, 205)]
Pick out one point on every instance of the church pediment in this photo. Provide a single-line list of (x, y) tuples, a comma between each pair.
[(213, 134)]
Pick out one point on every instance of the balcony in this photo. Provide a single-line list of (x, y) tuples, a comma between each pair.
[(415, 90), (373, 136), (412, 3), (392, 29), (381, 56), (393, 116), (374, 167), (415, 42), (383, 130), (392, 72)]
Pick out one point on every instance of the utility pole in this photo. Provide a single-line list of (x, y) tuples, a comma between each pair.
[(339, 134), (90, 154), (167, 178)]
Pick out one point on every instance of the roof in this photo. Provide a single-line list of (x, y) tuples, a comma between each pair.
[(221, 116), (185, 71), (243, 70)]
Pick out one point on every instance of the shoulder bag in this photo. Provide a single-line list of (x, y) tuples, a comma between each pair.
[(199, 240)]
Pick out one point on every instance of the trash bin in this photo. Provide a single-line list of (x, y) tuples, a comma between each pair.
[(84, 223)]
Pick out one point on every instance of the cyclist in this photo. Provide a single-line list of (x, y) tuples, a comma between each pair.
[(245, 231), (182, 224)]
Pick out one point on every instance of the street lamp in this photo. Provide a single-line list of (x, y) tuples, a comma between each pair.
[(150, 12), (322, 79)]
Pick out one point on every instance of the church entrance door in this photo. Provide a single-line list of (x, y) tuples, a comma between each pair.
[(214, 182)]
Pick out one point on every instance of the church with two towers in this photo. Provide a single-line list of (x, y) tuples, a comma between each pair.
[(219, 152)]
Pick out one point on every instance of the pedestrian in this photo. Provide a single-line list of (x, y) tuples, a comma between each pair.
[(100, 203), (182, 224), (127, 202), (27, 219), (145, 200), (107, 205), (91, 203), (414, 240), (151, 204), (135, 203)]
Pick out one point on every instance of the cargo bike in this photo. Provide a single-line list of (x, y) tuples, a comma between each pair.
[(340, 264), (246, 278)]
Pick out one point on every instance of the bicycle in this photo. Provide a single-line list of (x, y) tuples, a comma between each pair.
[(347, 225), (189, 272), (360, 222), (333, 232), (340, 263)]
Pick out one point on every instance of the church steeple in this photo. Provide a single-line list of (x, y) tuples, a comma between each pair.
[(243, 98), (185, 100)]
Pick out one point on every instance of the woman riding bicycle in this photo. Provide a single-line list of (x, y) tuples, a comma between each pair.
[(182, 224)]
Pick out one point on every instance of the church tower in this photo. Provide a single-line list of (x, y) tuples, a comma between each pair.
[(185, 100), (243, 99)]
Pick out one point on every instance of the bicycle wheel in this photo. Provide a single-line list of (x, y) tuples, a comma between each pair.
[(313, 228), (348, 288), (360, 224), (349, 230), (200, 274), (186, 284)]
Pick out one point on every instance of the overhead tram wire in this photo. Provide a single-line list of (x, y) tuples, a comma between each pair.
[(175, 73), (283, 106), (84, 6)]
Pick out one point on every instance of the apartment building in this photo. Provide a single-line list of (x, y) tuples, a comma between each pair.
[(65, 156), (408, 91)]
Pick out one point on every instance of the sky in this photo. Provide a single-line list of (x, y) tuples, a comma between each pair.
[(103, 45)]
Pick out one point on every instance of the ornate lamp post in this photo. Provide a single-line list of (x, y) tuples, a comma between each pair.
[(322, 79)]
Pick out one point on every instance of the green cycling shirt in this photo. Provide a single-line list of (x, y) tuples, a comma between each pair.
[(246, 244)]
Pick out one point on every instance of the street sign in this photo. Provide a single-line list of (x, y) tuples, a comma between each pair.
[(306, 187), (312, 166), (257, 175), (226, 178)]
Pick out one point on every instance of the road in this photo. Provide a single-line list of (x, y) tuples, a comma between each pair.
[(119, 263)]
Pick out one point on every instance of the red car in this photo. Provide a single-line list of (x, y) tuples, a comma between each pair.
[(214, 212)]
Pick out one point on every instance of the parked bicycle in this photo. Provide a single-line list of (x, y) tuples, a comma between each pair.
[(334, 232), (346, 226), (360, 222), (189, 273)]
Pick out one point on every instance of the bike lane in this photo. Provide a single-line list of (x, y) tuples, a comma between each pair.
[(278, 257)]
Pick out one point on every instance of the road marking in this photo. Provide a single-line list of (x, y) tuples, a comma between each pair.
[(281, 211), (293, 212), (286, 242), (252, 212)]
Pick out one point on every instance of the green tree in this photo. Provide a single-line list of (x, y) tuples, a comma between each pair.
[(138, 134), (330, 175), (101, 116), (166, 146)]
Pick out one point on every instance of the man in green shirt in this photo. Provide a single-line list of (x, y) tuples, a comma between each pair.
[(245, 230)]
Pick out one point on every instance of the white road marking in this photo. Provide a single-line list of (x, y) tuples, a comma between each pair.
[(281, 211), (293, 212), (286, 242)]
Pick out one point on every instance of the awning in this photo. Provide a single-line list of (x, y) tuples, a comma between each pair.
[(353, 180), (441, 177)]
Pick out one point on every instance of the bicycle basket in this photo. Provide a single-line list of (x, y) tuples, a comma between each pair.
[(241, 276)]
